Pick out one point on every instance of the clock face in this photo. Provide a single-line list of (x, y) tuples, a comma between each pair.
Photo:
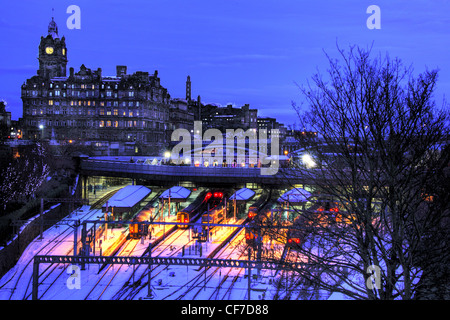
[(49, 50)]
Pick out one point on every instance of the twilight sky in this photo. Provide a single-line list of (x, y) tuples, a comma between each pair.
[(236, 51)]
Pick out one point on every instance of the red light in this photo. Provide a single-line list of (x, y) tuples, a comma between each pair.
[(186, 220), (208, 195), (216, 194), (297, 240), (290, 240), (220, 194)]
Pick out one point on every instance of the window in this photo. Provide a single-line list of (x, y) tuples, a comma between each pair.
[(116, 124), (131, 93), (50, 102), (101, 124), (108, 123), (116, 112), (102, 112)]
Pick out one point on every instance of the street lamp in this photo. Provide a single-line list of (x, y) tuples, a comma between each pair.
[(167, 156), (41, 127), (308, 161)]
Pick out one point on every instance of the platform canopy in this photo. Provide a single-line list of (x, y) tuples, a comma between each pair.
[(243, 194), (176, 194), (126, 198), (296, 195)]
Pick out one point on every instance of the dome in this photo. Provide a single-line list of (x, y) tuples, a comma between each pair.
[(53, 29)]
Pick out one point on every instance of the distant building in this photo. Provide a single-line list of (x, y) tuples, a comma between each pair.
[(229, 117), (5, 122), (122, 114)]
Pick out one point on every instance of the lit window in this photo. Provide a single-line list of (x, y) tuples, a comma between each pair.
[(50, 102), (102, 124)]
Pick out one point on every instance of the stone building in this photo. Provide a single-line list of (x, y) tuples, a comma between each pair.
[(125, 114)]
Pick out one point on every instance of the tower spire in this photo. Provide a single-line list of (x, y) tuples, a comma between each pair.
[(53, 27)]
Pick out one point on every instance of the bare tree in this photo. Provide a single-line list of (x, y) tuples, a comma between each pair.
[(381, 162), (23, 176)]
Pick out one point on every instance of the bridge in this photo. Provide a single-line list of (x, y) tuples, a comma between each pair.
[(174, 174)]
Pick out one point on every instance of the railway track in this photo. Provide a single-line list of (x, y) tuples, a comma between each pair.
[(133, 244), (193, 283), (45, 249), (132, 287)]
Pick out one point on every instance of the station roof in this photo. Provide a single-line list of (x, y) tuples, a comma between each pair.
[(175, 193), (243, 194), (128, 197), (295, 195)]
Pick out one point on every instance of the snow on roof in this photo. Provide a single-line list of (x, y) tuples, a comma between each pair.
[(279, 157), (295, 195), (175, 193), (128, 196), (243, 194)]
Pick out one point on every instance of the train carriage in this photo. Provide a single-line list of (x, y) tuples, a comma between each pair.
[(136, 229), (212, 198)]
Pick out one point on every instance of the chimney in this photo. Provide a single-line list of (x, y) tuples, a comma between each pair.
[(121, 71), (188, 88)]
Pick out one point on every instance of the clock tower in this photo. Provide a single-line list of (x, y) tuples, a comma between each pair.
[(52, 54)]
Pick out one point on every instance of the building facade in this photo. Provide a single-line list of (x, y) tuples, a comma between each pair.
[(123, 114)]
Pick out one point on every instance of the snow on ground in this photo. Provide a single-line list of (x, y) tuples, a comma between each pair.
[(172, 282)]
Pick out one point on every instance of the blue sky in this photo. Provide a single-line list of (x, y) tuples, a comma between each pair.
[(236, 51)]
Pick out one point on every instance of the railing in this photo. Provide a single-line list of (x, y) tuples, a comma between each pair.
[(181, 171)]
